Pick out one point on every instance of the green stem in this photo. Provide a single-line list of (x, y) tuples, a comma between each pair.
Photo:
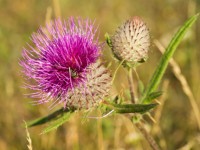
[(131, 88)]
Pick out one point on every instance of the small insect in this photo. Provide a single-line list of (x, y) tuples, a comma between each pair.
[(73, 73)]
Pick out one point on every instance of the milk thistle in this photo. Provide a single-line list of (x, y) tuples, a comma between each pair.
[(60, 63)]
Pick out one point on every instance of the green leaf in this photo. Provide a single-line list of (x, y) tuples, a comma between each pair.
[(161, 68), (153, 96), (48, 118), (133, 108), (55, 124)]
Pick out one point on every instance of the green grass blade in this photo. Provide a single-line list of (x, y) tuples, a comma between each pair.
[(160, 70)]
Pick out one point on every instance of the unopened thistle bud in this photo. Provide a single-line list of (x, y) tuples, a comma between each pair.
[(131, 41)]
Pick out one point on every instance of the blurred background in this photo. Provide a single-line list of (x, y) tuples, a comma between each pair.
[(176, 124)]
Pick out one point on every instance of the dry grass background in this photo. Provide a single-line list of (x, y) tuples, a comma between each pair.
[(176, 126)]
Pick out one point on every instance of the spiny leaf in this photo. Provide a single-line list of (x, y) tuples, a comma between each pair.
[(54, 125), (161, 68), (153, 96), (48, 118), (134, 108)]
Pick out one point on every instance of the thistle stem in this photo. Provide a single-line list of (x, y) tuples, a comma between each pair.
[(147, 136), (131, 88), (139, 125)]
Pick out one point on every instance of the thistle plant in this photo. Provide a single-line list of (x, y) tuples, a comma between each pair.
[(64, 66)]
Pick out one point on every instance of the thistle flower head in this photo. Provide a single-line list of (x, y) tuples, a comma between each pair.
[(131, 41), (93, 90), (60, 59)]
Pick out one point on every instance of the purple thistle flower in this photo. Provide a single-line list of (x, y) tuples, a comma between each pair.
[(58, 62)]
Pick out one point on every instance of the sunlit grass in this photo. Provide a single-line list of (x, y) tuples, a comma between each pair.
[(177, 126)]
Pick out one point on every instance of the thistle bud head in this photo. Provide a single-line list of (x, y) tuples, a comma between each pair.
[(131, 41)]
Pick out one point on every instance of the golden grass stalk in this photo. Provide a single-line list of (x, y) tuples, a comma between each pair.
[(100, 133), (191, 144), (28, 138), (159, 109), (177, 72), (156, 129), (48, 15), (56, 6)]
